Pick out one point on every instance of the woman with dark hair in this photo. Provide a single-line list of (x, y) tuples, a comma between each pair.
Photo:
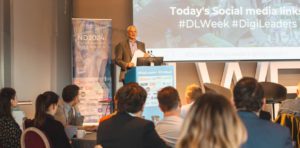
[(10, 132), (45, 108)]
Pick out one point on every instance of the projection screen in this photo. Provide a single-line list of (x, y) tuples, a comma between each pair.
[(204, 30)]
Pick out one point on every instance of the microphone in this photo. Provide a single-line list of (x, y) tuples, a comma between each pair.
[(150, 53)]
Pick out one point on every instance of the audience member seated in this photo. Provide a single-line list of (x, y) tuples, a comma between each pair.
[(45, 107), (127, 129), (10, 132), (289, 116), (248, 98), (291, 106), (67, 112), (170, 126), (192, 92), (212, 123)]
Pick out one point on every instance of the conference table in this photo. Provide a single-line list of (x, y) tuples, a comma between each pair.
[(88, 141)]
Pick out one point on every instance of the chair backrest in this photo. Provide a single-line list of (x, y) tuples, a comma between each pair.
[(27, 123), (34, 138), (274, 92)]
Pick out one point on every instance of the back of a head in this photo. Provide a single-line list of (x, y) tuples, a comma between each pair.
[(42, 103), (168, 99), (192, 92), (248, 94), (6, 95), (70, 92), (131, 98), (212, 123)]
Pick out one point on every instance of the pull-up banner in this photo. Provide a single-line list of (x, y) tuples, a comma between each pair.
[(92, 66)]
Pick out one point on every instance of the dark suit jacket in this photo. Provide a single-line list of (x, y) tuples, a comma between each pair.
[(55, 132), (263, 133), (125, 131), (123, 55)]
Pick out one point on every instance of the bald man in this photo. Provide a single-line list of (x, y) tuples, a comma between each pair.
[(125, 50)]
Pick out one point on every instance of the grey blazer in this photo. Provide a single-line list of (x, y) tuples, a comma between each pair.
[(61, 116), (123, 55)]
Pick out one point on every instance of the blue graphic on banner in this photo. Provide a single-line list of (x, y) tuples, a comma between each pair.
[(152, 78), (92, 66)]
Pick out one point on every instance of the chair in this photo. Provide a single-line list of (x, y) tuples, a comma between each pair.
[(34, 138), (27, 123), (274, 93), (209, 87)]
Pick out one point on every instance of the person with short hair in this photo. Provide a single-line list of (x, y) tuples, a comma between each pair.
[(67, 112), (212, 123), (45, 107), (192, 92), (125, 50), (169, 127), (127, 129), (10, 132), (249, 100)]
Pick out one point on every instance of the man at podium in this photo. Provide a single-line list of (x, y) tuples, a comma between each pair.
[(126, 49)]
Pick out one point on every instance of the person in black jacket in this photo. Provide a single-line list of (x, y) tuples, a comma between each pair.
[(45, 108), (10, 132), (127, 129)]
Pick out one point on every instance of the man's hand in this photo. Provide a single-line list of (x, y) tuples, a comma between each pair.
[(129, 65)]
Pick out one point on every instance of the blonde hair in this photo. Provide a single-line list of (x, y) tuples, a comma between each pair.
[(192, 92), (212, 123), (129, 27)]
